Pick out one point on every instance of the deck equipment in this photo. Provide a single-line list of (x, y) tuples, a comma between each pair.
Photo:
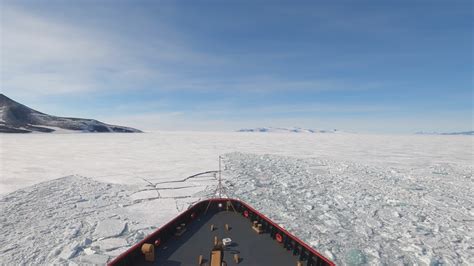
[(200, 236)]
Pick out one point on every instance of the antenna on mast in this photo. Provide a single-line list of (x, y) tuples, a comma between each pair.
[(220, 190)]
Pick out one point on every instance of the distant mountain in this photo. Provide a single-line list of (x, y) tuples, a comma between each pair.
[(18, 118), (466, 133), (285, 130)]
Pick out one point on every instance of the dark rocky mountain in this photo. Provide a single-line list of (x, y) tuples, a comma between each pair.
[(18, 118)]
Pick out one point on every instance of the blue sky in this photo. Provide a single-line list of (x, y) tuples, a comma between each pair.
[(366, 66)]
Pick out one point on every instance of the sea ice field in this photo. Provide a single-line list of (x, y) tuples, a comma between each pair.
[(358, 199)]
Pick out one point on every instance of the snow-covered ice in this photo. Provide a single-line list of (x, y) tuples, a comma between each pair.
[(85, 198), (67, 219)]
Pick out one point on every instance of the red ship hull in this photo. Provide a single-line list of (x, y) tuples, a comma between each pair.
[(277, 239)]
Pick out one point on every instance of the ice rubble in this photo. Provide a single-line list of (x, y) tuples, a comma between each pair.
[(357, 214), (76, 220)]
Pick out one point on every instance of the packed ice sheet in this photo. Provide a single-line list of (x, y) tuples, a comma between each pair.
[(128, 158), (356, 198)]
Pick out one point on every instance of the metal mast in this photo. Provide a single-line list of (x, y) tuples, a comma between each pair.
[(220, 189), (219, 185)]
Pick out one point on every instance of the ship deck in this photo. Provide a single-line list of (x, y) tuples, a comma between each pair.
[(198, 239)]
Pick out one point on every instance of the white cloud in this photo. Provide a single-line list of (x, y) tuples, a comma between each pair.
[(44, 56), (228, 116)]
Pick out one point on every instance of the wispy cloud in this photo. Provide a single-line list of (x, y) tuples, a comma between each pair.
[(48, 56), (268, 83), (228, 115), (41, 56)]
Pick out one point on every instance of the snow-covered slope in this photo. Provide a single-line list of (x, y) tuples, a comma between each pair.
[(18, 118), (373, 198), (285, 130)]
